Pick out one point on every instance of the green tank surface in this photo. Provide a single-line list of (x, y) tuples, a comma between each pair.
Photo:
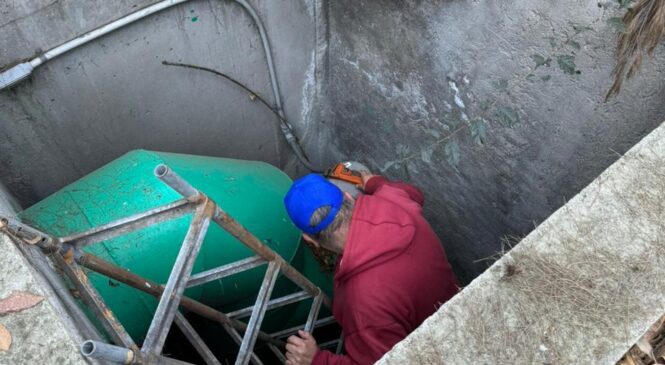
[(251, 192)]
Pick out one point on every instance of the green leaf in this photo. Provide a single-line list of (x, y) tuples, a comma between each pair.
[(566, 63), (617, 23), (530, 77), (426, 154), (478, 131), (485, 104), (553, 42), (507, 115), (501, 85), (540, 60), (452, 153), (574, 44), (546, 78)]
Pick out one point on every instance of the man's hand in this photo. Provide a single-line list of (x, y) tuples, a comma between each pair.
[(301, 350)]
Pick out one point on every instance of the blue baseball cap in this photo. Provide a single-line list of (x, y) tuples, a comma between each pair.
[(308, 194)]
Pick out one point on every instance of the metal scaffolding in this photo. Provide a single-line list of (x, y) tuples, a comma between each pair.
[(67, 253)]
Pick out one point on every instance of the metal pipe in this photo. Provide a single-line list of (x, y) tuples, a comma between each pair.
[(224, 271), (120, 355), (177, 183), (278, 353), (286, 128), (292, 330), (175, 286), (38, 261), (195, 340), (21, 71), (103, 351), (114, 272), (313, 313), (340, 345), (28, 234), (238, 340), (258, 313), (243, 235), (129, 224), (232, 226), (94, 301), (275, 303)]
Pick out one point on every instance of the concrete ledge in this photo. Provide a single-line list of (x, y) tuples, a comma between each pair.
[(580, 289), (40, 334)]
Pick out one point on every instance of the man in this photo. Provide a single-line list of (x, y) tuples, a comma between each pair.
[(391, 271)]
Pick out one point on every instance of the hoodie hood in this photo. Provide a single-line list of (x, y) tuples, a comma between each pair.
[(379, 231)]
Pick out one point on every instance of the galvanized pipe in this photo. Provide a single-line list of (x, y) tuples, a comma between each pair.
[(129, 224), (238, 340), (196, 340), (177, 183), (275, 303), (243, 235), (182, 269), (39, 262), (103, 351), (313, 313), (94, 301), (224, 271), (258, 313), (28, 234), (114, 272), (238, 231), (120, 355), (293, 330)]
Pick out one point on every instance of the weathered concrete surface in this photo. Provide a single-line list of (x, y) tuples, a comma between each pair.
[(408, 82), (8, 204), (580, 289), (91, 105), (40, 334)]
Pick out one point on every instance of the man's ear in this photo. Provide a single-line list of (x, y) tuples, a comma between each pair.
[(311, 240)]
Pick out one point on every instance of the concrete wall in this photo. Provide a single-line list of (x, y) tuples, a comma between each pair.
[(411, 84), (89, 106)]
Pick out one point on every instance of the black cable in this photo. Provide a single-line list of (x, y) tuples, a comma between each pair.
[(287, 130)]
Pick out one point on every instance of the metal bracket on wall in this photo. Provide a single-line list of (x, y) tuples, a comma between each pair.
[(67, 253)]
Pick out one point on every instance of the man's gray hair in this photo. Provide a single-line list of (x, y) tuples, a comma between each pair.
[(326, 237)]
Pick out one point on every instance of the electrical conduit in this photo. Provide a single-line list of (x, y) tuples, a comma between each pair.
[(21, 71)]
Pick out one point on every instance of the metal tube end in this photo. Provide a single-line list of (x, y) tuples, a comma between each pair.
[(161, 170), (106, 352), (88, 348)]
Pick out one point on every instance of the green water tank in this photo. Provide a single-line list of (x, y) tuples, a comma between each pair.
[(251, 192)]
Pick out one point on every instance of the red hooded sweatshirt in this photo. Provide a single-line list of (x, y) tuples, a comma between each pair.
[(392, 275)]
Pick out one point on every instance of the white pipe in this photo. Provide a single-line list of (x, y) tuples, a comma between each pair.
[(23, 70), (103, 30)]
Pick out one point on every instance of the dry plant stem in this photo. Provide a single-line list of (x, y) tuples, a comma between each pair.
[(645, 24)]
